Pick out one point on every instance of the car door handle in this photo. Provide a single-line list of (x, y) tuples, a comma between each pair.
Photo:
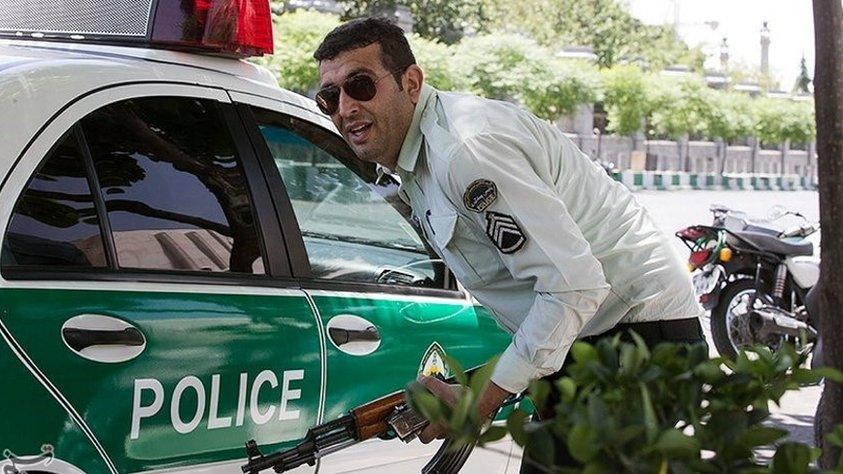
[(342, 336), (79, 339)]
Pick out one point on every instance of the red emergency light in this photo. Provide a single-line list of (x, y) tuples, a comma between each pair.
[(229, 27)]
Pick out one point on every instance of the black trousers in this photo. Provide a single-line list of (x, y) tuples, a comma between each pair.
[(654, 332)]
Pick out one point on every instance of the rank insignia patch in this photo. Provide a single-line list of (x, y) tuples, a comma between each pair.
[(479, 195), (504, 232)]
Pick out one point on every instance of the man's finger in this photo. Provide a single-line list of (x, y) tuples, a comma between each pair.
[(442, 390)]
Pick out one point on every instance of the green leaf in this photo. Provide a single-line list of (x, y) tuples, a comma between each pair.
[(597, 467), (760, 436), (425, 402), (456, 370), (829, 373), (480, 377), (567, 388), (793, 458), (674, 443), (492, 434), (582, 443), (583, 352), (515, 424), (650, 421), (540, 444), (640, 344), (539, 390), (836, 436)]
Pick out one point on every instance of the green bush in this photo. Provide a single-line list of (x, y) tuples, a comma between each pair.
[(627, 408), (625, 98), (437, 61), (779, 120), (512, 67), (730, 116), (679, 106)]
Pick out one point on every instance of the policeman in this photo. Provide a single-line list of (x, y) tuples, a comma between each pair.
[(540, 235)]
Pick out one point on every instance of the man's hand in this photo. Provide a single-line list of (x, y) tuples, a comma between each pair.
[(490, 400)]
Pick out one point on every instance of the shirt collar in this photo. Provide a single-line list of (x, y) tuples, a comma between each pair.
[(412, 142)]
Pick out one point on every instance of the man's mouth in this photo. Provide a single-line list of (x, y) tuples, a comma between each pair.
[(358, 133)]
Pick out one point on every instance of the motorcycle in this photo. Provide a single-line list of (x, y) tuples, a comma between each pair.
[(756, 279)]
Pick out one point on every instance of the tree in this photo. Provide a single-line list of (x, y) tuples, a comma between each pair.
[(625, 98), (513, 67), (803, 81), (439, 20), (778, 120), (828, 90), (679, 107), (605, 25), (437, 61)]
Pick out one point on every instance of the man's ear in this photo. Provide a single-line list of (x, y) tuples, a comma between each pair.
[(412, 80)]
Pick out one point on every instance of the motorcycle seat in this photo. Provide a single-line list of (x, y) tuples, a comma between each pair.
[(772, 244), (762, 230)]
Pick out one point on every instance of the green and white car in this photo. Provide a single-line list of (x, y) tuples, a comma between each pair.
[(192, 257)]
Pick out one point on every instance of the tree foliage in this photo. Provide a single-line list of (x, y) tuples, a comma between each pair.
[(625, 98), (439, 64), (803, 81), (780, 120), (439, 20), (679, 107), (513, 67), (605, 25)]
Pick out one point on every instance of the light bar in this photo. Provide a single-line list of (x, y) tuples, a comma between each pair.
[(230, 27)]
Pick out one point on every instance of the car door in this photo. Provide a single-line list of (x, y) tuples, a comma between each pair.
[(146, 286), (389, 306)]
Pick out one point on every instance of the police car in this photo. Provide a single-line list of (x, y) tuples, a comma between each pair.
[(192, 257)]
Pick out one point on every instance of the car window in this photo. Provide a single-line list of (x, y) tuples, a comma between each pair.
[(351, 231), (54, 222), (173, 185)]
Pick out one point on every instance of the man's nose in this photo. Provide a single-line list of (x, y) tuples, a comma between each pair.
[(347, 106)]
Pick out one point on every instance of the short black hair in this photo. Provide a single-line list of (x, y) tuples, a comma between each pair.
[(396, 55)]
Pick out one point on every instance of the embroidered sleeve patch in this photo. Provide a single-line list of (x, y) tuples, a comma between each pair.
[(479, 195), (504, 232)]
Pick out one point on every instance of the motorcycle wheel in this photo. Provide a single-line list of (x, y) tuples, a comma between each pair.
[(729, 319)]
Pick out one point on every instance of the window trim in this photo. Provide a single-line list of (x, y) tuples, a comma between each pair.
[(283, 214), (295, 242), (106, 235), (35, 273), (277, 263)]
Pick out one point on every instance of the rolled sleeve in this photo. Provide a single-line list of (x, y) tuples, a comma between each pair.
[(543, 340), (567, 279)]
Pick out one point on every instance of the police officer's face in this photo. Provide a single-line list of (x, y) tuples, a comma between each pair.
[(374, 128)]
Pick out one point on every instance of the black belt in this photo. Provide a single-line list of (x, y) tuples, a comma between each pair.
[(673, 330)]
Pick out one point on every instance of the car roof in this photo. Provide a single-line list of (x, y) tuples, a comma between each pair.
[(39, 78)]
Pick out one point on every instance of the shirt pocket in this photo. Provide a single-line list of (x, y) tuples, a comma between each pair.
[(467, 254)]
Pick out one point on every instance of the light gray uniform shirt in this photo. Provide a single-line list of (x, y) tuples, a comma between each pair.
[(537, 233)]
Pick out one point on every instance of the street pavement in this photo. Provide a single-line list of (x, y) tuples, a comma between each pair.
[(678, 209)]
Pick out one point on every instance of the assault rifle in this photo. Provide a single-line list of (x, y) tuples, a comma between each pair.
[(383, 417)]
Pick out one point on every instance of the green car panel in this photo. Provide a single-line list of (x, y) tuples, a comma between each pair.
[(407, 326), (38, 419), (204, 342)]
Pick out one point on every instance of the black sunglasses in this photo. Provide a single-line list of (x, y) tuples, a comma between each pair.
[(358, 86)]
